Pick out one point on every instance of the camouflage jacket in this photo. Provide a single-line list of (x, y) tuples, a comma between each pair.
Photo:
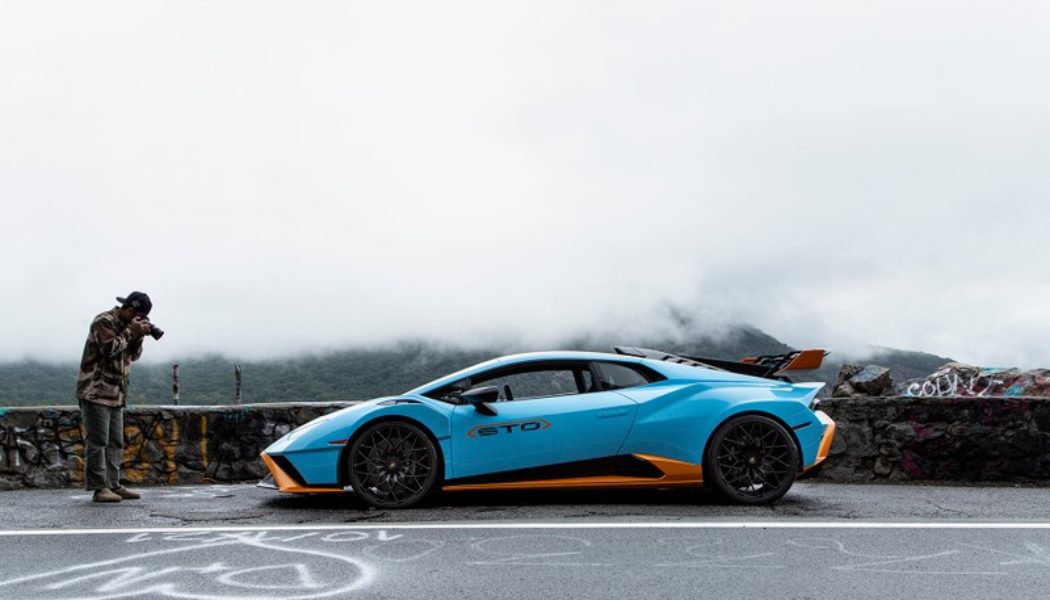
[(106, 364)]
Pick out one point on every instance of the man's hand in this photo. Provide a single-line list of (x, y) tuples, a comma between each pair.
[(139, 327)]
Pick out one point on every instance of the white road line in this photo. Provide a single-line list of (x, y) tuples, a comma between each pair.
[(497, 525)]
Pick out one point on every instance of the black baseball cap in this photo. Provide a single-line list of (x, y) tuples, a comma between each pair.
[(137, 300)]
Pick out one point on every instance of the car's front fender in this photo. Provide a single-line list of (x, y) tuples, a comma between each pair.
[(315, 448)]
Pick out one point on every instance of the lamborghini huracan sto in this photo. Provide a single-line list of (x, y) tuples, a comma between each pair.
[(558, 420)]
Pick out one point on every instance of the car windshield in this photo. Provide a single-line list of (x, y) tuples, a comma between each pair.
[(446, 379)]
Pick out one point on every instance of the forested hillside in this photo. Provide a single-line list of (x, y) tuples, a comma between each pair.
[(371, 372)]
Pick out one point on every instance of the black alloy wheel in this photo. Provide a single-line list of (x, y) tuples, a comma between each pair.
[(392, 465), (752, 459)]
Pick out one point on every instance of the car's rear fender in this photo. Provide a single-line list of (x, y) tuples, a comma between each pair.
[(783, 423), (678, 423)]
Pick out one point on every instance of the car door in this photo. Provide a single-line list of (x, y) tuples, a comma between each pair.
[(555, 412)]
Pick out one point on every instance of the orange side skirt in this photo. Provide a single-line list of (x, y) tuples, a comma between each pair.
[(676, 474)]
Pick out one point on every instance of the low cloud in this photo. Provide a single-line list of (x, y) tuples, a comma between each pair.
[(286, 179)]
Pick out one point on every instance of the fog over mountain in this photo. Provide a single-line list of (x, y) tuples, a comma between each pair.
[(289, 179), (360, 373)]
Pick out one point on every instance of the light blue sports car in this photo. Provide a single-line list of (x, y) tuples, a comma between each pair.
[(545, 420)]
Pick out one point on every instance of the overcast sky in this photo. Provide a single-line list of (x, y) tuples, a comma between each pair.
[(288, 176)]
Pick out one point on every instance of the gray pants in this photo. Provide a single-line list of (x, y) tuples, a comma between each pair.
[(103, 445)]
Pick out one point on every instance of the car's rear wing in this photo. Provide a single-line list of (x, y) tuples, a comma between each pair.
[(770, 366)]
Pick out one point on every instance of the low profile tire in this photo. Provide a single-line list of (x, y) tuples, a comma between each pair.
[(392, 465), (752, 459)]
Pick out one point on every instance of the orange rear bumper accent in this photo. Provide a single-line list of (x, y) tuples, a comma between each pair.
[(676, 473), (825, 445), (285, 483)]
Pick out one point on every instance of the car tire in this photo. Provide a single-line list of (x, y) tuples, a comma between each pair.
[(752, 459), (392, 464)]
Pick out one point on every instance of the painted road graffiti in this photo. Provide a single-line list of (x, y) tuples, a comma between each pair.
[(230, 566), (306, 565)]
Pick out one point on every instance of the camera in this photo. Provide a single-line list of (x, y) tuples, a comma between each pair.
[(154, 331)]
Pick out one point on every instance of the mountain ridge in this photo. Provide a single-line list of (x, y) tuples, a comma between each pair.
[(369, 372)]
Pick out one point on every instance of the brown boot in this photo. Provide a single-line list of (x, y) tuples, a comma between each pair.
[(105, 495), (126, 494)]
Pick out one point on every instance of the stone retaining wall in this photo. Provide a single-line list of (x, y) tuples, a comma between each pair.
[(43, 447), (939, 439), (887, 439)]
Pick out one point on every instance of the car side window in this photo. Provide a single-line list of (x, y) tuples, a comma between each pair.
[(616, 376), (525, 382), (532, 384), (538, 380)]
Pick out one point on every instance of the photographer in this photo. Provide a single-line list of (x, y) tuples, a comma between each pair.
[(113, 342)]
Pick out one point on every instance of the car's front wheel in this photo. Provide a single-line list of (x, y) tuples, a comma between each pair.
[(392, 464), (752, 459)]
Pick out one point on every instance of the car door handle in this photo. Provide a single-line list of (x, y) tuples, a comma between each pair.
[(611, 413)]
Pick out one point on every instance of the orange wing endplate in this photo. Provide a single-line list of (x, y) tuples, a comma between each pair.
[(806, 359), (803, 359)]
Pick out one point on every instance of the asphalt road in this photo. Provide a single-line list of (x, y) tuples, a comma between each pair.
[(239, 542)]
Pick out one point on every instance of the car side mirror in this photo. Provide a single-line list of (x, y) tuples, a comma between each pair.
[(480, 397)]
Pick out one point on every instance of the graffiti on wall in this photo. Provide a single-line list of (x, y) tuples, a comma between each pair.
[(956, 380)]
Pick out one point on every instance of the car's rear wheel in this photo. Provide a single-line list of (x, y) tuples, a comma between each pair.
[(392, 464), (752, 459)]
